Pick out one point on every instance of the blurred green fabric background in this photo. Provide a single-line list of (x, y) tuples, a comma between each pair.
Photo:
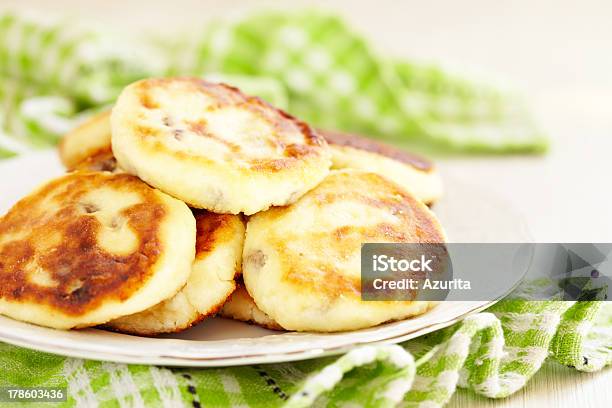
[(55, 74)]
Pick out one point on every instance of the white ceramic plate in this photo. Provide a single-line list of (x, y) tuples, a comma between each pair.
[(221, 342)]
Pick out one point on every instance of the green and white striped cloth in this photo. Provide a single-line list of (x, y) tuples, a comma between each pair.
[(336, 80), (54, 73), (493, 353)]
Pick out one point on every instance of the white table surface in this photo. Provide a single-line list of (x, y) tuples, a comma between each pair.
[(558, 52)]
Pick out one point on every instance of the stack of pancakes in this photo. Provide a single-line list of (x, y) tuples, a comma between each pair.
[(191, 199)]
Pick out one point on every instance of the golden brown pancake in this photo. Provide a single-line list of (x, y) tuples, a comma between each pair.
[(413, 172), (374, 146), (241, 306), (103, 160), (92, 137), (219, 243), (214, 147), (90, 247), (301, 263)]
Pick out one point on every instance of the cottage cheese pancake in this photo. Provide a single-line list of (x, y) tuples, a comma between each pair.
[(241, 306), (90, 247), (301, 263), (410, 171), (214, 147), (89, 139), (219, 242), (90, 146)]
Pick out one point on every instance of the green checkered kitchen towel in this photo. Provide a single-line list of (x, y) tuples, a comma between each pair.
[(55, 73), (493, 353)]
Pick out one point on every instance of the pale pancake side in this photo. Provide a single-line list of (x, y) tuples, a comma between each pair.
[(241, 306)]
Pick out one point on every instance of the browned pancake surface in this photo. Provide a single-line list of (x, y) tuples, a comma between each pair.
[(320, 266), (280, 141), (374, 146), (49, 249), (103, 160), (213, 230)]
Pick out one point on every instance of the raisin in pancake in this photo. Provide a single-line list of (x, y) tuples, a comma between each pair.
[(301, 263), (241, 306), (219, 242), (100, 161), (214, 147), (90, 247), (415, 173), (91, 138)]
